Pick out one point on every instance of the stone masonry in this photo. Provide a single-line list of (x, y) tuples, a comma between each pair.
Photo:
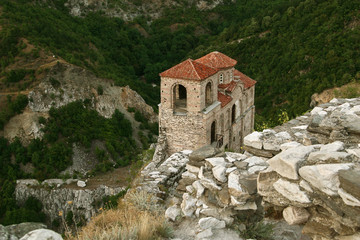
[(206, 101)]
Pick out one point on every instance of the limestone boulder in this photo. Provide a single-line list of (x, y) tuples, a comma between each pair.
[(324, 176), (333, 147), (210, 184), (241, 187), (19, 230), (328, 157), (42, 234), (287, 162), (254, 140), (295, 215), (172, 213), (291, 191), (288, 145), (199, 188), (202, 153), (188, 205), (216, 161), (219, 173)]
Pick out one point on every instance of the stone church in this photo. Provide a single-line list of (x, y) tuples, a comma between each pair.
[(206, 101)]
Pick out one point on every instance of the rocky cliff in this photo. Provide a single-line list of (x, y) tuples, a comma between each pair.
[(65, 83), (305, 171), (59, 197), (129, 10)]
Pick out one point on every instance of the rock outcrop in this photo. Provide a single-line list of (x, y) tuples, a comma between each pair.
[(128, 10), (59, 197), (307, 170), (17, 231)]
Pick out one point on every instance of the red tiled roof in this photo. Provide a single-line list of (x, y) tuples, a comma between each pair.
[(217, 60), (224, 99), (189, 69), (248, 82), (228, 86)]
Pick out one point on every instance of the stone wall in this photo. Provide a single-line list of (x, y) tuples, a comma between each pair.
[(307, 170)]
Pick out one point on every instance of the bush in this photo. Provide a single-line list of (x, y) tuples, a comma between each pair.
[(100, 90)]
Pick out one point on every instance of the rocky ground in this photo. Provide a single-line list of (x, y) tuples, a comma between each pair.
[(305, 172)]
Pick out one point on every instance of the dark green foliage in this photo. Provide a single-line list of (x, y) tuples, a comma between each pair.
[(15, 75), (100, 90), (55, 83), (309, 46), (13, 107), (112, 201), (29, 212)]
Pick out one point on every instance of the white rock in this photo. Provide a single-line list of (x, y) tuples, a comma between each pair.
[(229, 170), (211, 222), (328, 157), (257, 169), (81, 183), (188, 206), (42, 234), (246, 206), (356, 109), (283, 135), (287, 162), (295, 215), (219, 173), (354, 151), (199, 188), (192, 169), (316, 110), (189, 175), (334, 100), (201, 173), (186, 152), (254, 140), (333, 147), (324, 176), (234, 186), (289, 145), (291, 191), (236, 156), (252, 161), (348, 198), (299, 134), (302, 127), (190, 189), (204, 234), (216, 161), (172, 212), (306, 186), (210, 184)]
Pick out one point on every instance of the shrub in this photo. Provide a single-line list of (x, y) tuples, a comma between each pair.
[(100, 90)]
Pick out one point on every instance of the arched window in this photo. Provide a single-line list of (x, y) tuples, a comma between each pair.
[(208, 94), (233, 112), (179, 98), (213, 132), (221, 78)]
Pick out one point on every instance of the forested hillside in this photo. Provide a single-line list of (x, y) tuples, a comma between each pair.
[(292, 48)]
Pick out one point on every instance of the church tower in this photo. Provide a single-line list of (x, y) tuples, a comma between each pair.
[(201, 103)]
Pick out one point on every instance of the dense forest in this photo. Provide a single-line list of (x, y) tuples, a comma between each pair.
[(292, 48)]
